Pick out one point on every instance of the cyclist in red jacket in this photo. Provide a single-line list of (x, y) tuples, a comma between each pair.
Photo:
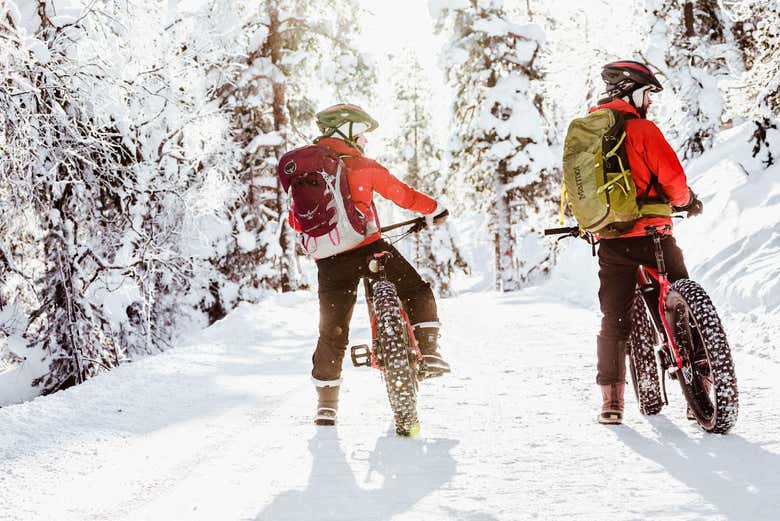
[(343, 128), (658, 173)]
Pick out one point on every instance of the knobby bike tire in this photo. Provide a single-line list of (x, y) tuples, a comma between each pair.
[(640, 348), (707, 380), (394, 345)]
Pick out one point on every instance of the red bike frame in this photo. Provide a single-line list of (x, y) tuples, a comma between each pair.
[(645, 276)]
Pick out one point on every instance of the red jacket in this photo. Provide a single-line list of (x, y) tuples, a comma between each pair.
[(648, 151), (366, 176)]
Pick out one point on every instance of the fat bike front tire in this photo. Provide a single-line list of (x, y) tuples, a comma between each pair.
[(394, 345), (707, 377), (640, 348)]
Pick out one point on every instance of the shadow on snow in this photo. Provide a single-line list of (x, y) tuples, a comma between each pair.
[(410, 468), (738, 478)]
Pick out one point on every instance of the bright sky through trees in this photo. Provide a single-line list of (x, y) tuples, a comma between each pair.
[(389, 27)]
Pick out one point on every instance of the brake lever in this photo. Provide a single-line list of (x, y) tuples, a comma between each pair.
[(419, 225)]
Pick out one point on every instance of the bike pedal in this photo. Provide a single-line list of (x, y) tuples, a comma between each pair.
[(361, 355)]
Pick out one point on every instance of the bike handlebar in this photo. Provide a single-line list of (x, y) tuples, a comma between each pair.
[(418, 223), (569, 230), (575, 230)]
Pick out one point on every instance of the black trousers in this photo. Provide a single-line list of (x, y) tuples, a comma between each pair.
[(338, 278), (618, 262)]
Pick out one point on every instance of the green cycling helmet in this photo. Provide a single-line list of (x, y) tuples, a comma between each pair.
[(348, 121)]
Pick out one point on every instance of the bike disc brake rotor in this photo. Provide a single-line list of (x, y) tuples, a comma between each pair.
[(696, 366)]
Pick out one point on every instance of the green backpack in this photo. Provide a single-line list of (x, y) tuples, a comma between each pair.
[(597, 180)]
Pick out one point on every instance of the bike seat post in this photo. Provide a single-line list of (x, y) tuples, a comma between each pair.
[(659, 251)]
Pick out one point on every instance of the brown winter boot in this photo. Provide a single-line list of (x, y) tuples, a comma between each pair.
[(327, 405), (612, 408)]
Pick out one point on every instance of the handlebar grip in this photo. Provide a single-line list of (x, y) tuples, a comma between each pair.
[(561, 231)]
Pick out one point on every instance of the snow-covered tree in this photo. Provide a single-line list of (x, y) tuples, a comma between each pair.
[(111, 143), (690, 42), (574, 55), (757, 95), (413, 150), (67, 164), (500, 149)]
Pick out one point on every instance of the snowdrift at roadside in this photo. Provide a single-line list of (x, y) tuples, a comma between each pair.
[(733, 249)]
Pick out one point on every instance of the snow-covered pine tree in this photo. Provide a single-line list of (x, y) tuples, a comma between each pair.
[(572, 70), (690, 42), (757, 30), (287, 50), (500, 152), (413, 150)]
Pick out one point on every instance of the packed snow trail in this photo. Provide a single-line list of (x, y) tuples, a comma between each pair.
[(220, 429)]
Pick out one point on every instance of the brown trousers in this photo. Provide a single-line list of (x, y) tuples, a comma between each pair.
[(338, 278)]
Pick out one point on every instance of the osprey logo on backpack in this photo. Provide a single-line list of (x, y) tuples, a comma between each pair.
[(289, 167), (316, 180)]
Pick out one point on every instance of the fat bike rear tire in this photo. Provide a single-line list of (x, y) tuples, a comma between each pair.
[(640, 348), (707, 377), (395, 351)]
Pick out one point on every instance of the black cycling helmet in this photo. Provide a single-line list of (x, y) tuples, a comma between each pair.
[(625, 76)]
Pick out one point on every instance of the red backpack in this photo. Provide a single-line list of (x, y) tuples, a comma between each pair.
[(315, 178)]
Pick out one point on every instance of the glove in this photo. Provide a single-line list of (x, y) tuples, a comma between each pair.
[(693, 207), (437, 216)]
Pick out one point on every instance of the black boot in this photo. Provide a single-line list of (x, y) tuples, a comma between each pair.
[(432, 363)]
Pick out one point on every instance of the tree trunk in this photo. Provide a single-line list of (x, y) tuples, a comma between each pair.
[(506, 277), (287, 266), (688, 17)]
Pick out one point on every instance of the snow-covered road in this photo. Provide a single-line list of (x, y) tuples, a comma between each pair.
[(220, 429)]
